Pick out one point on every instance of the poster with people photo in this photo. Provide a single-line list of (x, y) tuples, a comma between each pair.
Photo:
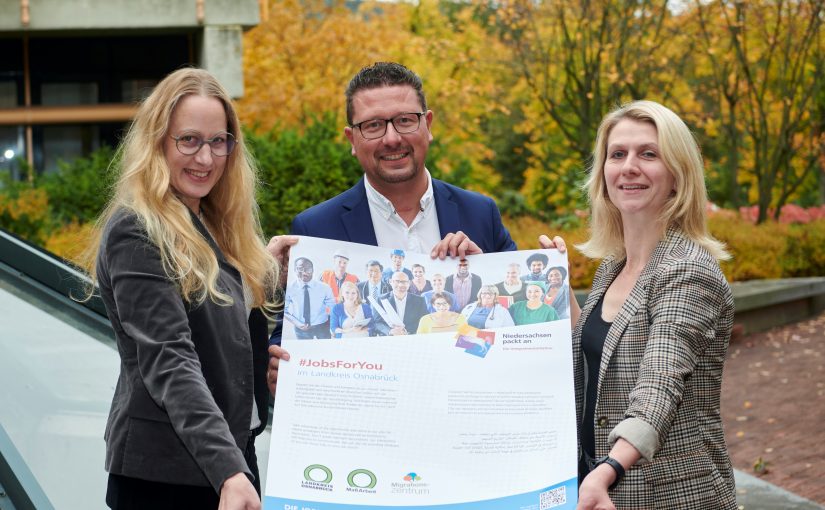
[(357, 290), (439, 373)]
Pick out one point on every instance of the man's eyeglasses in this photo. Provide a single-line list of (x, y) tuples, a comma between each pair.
[(220, 145), (403, 123)]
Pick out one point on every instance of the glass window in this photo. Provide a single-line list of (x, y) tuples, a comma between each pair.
[(8, 94), (11, 72), (67, 143), (67, 94), (12, 151), (133, 91)]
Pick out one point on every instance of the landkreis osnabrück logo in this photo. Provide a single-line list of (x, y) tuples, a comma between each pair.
[(318, 477)]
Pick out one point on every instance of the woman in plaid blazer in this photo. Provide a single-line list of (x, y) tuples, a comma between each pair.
[(650, 342)]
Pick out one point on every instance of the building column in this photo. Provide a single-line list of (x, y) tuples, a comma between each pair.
[(222, 55)]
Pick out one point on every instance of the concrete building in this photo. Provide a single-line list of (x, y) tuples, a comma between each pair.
[(72, 70)]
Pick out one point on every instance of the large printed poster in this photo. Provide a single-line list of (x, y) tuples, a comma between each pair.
[(416, 383)]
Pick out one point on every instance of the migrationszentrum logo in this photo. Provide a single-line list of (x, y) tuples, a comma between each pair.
[(411, 484)]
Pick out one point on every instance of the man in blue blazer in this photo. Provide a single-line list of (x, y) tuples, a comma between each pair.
[(397, 204), (347, 217)]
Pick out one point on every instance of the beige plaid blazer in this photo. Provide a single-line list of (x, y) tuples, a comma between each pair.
[(660, 379)]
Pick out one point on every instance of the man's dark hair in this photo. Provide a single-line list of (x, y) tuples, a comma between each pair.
[(383, 74), (375, 263)]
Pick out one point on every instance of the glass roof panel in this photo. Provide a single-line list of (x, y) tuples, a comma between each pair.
[(56, 386)]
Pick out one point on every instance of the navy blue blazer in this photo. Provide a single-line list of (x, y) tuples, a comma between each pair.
[(346, 217)]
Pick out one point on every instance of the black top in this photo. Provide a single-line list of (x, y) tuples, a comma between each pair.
[(594, 334)]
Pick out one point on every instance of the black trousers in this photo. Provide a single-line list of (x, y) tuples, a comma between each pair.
[(127, 493)]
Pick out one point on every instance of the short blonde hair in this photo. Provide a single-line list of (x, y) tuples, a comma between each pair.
[(144, 187), (683, 159)]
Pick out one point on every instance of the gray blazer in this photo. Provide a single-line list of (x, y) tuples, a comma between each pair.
[(181, 411), (660, 379)]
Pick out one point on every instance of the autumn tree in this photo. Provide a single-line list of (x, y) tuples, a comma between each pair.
[(577, 60), (466, 85), (718, 84), (298, 61), (767, 67)]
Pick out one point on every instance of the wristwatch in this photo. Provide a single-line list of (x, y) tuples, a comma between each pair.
[(617, 467)]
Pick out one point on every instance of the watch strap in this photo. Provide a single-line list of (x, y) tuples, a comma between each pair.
[(617, 467)]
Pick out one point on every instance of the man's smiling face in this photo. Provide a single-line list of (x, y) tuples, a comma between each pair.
[(393, 158)]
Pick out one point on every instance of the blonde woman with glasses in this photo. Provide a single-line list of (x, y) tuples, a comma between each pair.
[(183, 272)]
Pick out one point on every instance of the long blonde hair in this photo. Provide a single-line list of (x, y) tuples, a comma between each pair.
[(143, 187), (683, 159)]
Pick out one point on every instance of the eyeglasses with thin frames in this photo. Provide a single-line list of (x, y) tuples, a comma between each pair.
[(403, 123), (220, 145)]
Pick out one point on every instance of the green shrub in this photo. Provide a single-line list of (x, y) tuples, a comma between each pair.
[(79, 189), (805, 252), (299, 170)]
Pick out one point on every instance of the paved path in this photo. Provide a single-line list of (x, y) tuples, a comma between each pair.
[(753, 493), (773, 406)]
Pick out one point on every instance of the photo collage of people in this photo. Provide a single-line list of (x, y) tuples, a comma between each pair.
[(343, 290)]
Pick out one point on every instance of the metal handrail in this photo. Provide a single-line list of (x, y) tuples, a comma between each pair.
[(18, 485), (41, 270)]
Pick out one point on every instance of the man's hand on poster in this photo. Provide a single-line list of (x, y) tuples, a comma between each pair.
[(455, 245)]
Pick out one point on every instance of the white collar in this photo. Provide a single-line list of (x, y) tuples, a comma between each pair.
[(382, 205)]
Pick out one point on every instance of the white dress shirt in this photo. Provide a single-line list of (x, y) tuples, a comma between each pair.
[(400, 305), (393, 232)]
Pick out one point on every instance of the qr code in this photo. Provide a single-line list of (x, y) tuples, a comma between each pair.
[(552, 498)]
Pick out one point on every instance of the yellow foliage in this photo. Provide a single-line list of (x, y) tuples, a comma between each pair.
[(69, 240), (298, 62), (26, 213), (757, 249), (526, 230), (549, 67), (32, 203), (769, 250)]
